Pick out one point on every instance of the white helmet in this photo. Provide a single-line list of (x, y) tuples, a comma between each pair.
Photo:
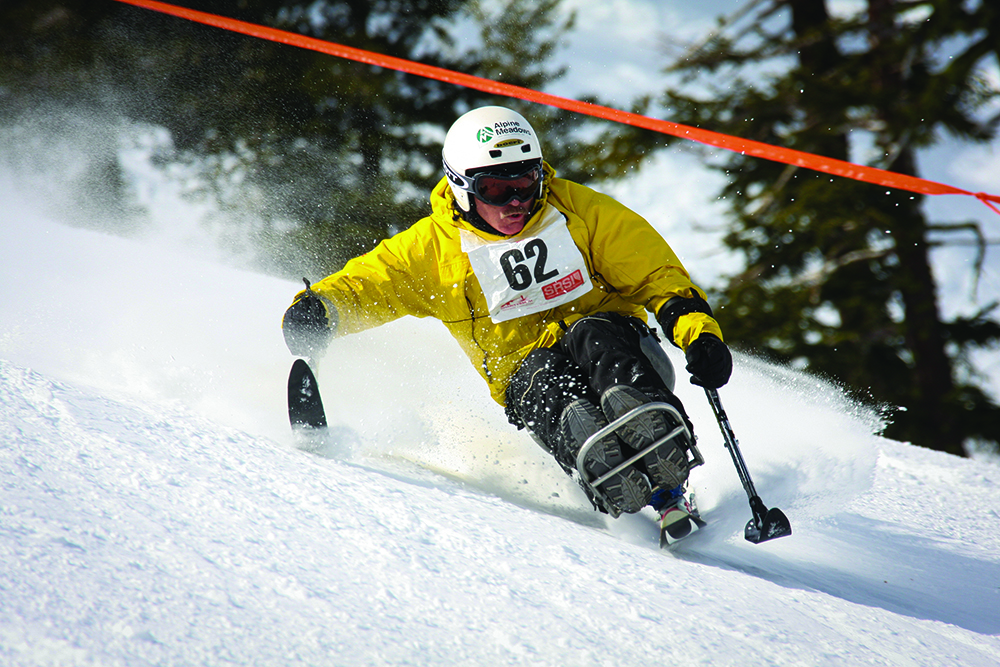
[(493, 140)]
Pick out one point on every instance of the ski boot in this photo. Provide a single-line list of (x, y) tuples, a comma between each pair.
[(662, 445), (667, 462), (616, 486), (660, 435)]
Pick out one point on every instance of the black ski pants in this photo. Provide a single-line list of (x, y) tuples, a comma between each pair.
[(597, 352)]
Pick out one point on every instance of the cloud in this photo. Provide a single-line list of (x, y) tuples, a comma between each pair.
[(615, 48), (979, 166)]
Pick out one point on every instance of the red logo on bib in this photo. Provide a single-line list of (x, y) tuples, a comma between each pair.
[(563, 285)]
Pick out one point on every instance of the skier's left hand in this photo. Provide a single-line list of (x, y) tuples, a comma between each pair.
[(709, 361)]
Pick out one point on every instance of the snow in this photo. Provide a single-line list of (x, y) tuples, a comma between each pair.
[(156, 509), (139, 533)]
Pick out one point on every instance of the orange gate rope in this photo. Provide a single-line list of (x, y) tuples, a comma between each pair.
[(716, 139)]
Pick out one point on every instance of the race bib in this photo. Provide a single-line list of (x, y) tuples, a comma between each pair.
[(528, 274)]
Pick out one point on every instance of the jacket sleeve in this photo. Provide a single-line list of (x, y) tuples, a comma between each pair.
[(390, 281), (636, 261)]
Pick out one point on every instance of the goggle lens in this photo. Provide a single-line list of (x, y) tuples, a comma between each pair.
[(502, 190)]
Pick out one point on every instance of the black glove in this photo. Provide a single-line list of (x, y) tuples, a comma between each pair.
[(309, 324), (709, 361)]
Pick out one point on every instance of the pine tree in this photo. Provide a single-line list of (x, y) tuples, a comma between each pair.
[(348, 151), (838, 273)]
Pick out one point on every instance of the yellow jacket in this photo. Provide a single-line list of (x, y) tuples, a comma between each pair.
[(423, 271)]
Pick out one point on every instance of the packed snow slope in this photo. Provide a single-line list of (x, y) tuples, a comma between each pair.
[(156, 510)]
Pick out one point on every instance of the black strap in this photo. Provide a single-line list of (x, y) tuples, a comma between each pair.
[(676, 307)]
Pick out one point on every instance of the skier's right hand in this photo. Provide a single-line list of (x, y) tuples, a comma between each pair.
[(709, 361), (309, 324)]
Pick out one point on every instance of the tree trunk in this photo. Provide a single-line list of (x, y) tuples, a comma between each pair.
[(930, 417), (933, 383)]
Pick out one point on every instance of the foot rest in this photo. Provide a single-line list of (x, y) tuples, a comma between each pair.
[(695, 458)]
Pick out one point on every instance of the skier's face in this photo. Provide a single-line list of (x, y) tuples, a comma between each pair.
[(508, 219)]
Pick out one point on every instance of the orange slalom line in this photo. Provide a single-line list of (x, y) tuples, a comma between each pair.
[(744, 146)]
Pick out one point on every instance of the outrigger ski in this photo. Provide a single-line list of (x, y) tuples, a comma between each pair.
[(683, 523), (305, 407), (766, 524)]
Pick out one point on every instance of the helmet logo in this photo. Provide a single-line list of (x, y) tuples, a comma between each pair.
[(484, 135), (506, 143)]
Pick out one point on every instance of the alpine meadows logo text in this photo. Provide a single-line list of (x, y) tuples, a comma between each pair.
[(485, 134), (509, 127)]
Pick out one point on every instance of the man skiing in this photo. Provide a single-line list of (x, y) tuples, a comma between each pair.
[(545, 284)]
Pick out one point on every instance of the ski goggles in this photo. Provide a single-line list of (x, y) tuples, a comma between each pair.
[(501, 190)]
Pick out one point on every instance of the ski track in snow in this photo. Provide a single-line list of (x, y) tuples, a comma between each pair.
[(155, 509)]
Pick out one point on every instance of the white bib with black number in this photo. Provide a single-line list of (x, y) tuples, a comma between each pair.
[(528, 274)]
